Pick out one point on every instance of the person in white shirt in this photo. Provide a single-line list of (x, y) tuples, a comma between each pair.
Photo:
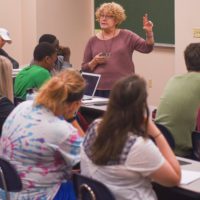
[(118, 149)]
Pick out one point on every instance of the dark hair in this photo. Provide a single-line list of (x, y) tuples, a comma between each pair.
[(192, 57), (125, 115), (76, 96), (47, 38), (42, 50)]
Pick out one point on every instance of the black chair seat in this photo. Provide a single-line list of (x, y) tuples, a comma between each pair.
[(90, 189), (9, 178), (167, 134), (196, 145)]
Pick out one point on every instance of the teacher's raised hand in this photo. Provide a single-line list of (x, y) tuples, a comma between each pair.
[(147, 24), (148, 28)]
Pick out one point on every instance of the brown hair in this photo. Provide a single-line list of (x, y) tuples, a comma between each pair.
[(6, 82), (125, 115), (66, 87), (114, 9), (192, 57)]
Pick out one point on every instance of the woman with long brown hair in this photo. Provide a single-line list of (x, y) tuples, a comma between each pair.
[(118, 151)]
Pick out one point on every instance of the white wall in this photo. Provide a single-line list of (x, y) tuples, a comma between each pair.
[(10, 18), (29, 30), (187, 17), (72, 21), (156, 67)]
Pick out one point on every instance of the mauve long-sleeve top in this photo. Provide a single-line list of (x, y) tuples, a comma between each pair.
[(119, 63)]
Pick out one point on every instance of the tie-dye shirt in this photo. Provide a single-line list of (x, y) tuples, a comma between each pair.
[(42, 147)]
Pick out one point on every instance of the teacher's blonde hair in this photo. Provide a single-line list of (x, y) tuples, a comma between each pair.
[(113, 9)]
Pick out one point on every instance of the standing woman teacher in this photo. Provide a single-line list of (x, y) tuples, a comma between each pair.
[(109, 52)]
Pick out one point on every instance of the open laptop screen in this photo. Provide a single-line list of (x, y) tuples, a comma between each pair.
[(92, 81)]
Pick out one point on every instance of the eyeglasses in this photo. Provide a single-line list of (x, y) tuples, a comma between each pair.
[(107, 16)]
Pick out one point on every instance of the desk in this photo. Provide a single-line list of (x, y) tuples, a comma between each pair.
[(193, 166), (190, 191), (94, 111), (15, 72)]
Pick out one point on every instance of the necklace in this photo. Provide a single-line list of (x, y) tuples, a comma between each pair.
[(107, 45)]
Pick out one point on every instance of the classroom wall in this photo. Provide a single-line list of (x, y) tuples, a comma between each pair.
[(163, 63), (187, 17), (156, 67), (11, 19), (72, 21), (29, 30)]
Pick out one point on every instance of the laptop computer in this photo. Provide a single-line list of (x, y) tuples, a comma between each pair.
[(92, 81)]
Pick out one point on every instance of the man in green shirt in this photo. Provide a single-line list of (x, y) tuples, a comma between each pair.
[(38, 72), (180, 101)]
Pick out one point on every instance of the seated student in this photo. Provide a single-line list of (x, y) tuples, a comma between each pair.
[(63, 60), (118, 151), (46, 146), (5, 37), (36, 74), (6, 90), (180, 101)]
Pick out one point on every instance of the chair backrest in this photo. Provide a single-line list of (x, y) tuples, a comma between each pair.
[(90, 189), (167, 134), (18, 100), (9, 178), (196, 144)]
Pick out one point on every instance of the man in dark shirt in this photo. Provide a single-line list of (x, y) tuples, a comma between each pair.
[(4, 37)]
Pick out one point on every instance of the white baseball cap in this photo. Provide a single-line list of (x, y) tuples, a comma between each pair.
[(5, 35)]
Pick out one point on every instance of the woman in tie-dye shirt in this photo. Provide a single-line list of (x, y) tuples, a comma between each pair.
[(39, 142)]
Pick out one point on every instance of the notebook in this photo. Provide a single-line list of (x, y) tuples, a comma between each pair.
[(92, 81)]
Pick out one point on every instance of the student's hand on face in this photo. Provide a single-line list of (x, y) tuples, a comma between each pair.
[(72, 109), (147, 25)]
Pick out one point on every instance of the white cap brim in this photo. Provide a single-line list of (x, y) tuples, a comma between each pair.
[(5, 35), (6, 38)]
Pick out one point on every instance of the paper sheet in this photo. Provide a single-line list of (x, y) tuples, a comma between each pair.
[(189, 176)]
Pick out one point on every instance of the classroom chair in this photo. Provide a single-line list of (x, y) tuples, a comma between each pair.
[(9, 178), (196, 145), (167, 134), (90, 189)]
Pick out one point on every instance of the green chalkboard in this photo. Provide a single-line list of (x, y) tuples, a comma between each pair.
[(160, 12)]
